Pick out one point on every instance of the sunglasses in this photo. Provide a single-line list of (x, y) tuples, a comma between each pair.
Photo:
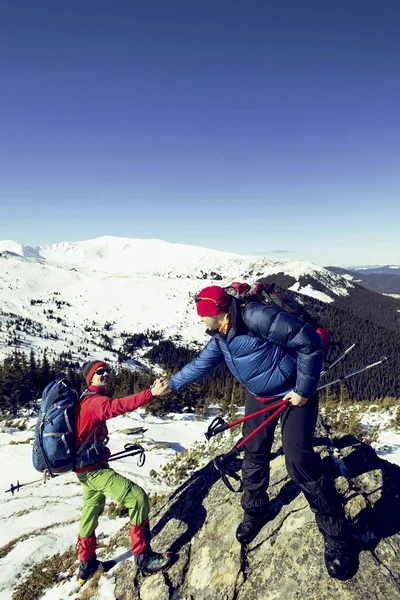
[(198, 299), (101, 371)]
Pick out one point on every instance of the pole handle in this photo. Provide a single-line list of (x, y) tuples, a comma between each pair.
[(216, 426)]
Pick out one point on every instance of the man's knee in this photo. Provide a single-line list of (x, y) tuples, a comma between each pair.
[(137, 503), (302, 464), (135, 496), (101, 506)]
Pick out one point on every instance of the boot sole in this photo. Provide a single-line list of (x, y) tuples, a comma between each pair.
[(143, 571)]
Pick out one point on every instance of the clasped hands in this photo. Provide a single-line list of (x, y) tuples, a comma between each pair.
[(160, 387)]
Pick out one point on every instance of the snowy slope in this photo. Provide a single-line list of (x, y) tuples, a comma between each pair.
[(134, 284), (43, 519)]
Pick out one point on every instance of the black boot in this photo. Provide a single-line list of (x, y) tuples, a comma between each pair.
[(338, 558), (256, 513), (249, 528), (87, 569)]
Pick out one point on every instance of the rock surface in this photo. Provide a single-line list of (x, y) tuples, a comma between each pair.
[(285, 561)]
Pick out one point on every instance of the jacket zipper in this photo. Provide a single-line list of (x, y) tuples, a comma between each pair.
[(233, 362)]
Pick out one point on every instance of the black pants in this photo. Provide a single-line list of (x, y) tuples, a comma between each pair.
[(302, 463)]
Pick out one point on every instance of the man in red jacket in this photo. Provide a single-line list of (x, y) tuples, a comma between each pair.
[(100, 481)]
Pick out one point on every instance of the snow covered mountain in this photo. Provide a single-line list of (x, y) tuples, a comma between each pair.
[(69, 293), (68, 297), (114, 255)]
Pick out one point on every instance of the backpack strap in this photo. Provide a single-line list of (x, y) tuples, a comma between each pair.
[(85, 394), (94, 429), (86, 440)]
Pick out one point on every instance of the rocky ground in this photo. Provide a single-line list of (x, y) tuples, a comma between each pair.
[(285, 561)]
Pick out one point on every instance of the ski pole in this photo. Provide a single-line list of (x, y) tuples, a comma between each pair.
[(15, 488), (130, 450), (379, 362), (349, 349), (218, 425)]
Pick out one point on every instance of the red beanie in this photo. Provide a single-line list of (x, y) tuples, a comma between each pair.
[(212, 301)]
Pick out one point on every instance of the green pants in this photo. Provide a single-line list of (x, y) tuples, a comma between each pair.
[(105, 483)]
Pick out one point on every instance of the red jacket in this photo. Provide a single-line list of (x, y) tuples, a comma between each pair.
[(96, 409)]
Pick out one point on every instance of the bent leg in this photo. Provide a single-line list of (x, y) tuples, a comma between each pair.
[(128, 494), (305, 467), (257, 451), (122, 490), (255, 472)]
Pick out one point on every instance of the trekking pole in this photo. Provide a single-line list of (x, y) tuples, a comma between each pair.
[(218, 425), (379, 362), (15, 488), (130, 450), (221, 462), (349, 349)]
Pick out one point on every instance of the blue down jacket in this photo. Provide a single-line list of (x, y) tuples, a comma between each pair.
[(268, 351)]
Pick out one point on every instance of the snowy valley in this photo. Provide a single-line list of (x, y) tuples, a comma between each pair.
[(81, 298)]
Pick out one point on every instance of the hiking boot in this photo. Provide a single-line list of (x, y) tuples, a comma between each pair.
[(338, 558), (250, 527), (153, 562), (87, 569)]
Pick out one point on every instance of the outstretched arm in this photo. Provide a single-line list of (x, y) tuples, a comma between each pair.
[(103, 407), (210, 357)]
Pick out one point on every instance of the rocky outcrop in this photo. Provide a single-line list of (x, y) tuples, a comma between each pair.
[(285, 561)]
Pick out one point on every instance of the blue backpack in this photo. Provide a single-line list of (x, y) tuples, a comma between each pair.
[(55, 439)]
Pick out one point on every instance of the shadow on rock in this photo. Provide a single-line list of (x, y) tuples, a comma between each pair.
[(186, 503), (376, 485), (381, 516)]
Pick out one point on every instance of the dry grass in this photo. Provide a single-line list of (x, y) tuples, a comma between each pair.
[(91, 588), (45, 574)]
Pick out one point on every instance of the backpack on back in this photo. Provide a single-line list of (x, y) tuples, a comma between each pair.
[(55, 438), (271, 294)]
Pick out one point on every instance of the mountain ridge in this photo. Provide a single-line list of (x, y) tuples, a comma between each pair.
[(94, 286), (383, 281), (86, 307)]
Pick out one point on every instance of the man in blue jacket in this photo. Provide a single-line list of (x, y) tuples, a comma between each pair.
[(272, 353)]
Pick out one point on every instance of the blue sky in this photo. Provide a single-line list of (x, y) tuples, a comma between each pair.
[(258, 127)]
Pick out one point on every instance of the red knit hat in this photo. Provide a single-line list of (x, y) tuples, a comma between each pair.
[(212, 301)]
